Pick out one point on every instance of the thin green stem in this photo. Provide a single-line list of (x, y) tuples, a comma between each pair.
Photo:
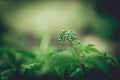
[(76, 51), (82, 64)]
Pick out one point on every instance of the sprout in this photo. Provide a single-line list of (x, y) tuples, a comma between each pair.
[(66, 35)]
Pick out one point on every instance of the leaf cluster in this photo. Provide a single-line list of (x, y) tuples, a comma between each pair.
[(75, 63)]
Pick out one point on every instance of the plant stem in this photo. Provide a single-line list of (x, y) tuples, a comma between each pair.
[(74, 47), (44, 42), (82, 64), (83, 69)]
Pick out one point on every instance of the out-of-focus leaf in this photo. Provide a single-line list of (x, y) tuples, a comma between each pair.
[(4, 75), (111, 60), (60, 71), (98, 62), (75, 72), (90, 45), (59, 59), (30, 67), (26, 53)]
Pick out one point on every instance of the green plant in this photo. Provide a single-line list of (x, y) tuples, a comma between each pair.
[(88, 55), (78, 59), (77, 62), (71, 37)]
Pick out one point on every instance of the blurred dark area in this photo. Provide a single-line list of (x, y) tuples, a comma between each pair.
[(110, 7), (3, 29)]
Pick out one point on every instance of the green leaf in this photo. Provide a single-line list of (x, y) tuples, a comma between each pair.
[(90, 45), (98, 61), (4, 75), (59, 59), (80, 48), (30, 68), (90, 48)]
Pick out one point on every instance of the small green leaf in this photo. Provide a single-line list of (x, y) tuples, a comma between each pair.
[(90, 48), (90, 45)]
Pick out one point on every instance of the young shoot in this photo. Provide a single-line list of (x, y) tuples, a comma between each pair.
[(69, 36)]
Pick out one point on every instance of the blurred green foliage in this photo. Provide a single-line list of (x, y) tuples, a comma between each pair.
[(16, 64)]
